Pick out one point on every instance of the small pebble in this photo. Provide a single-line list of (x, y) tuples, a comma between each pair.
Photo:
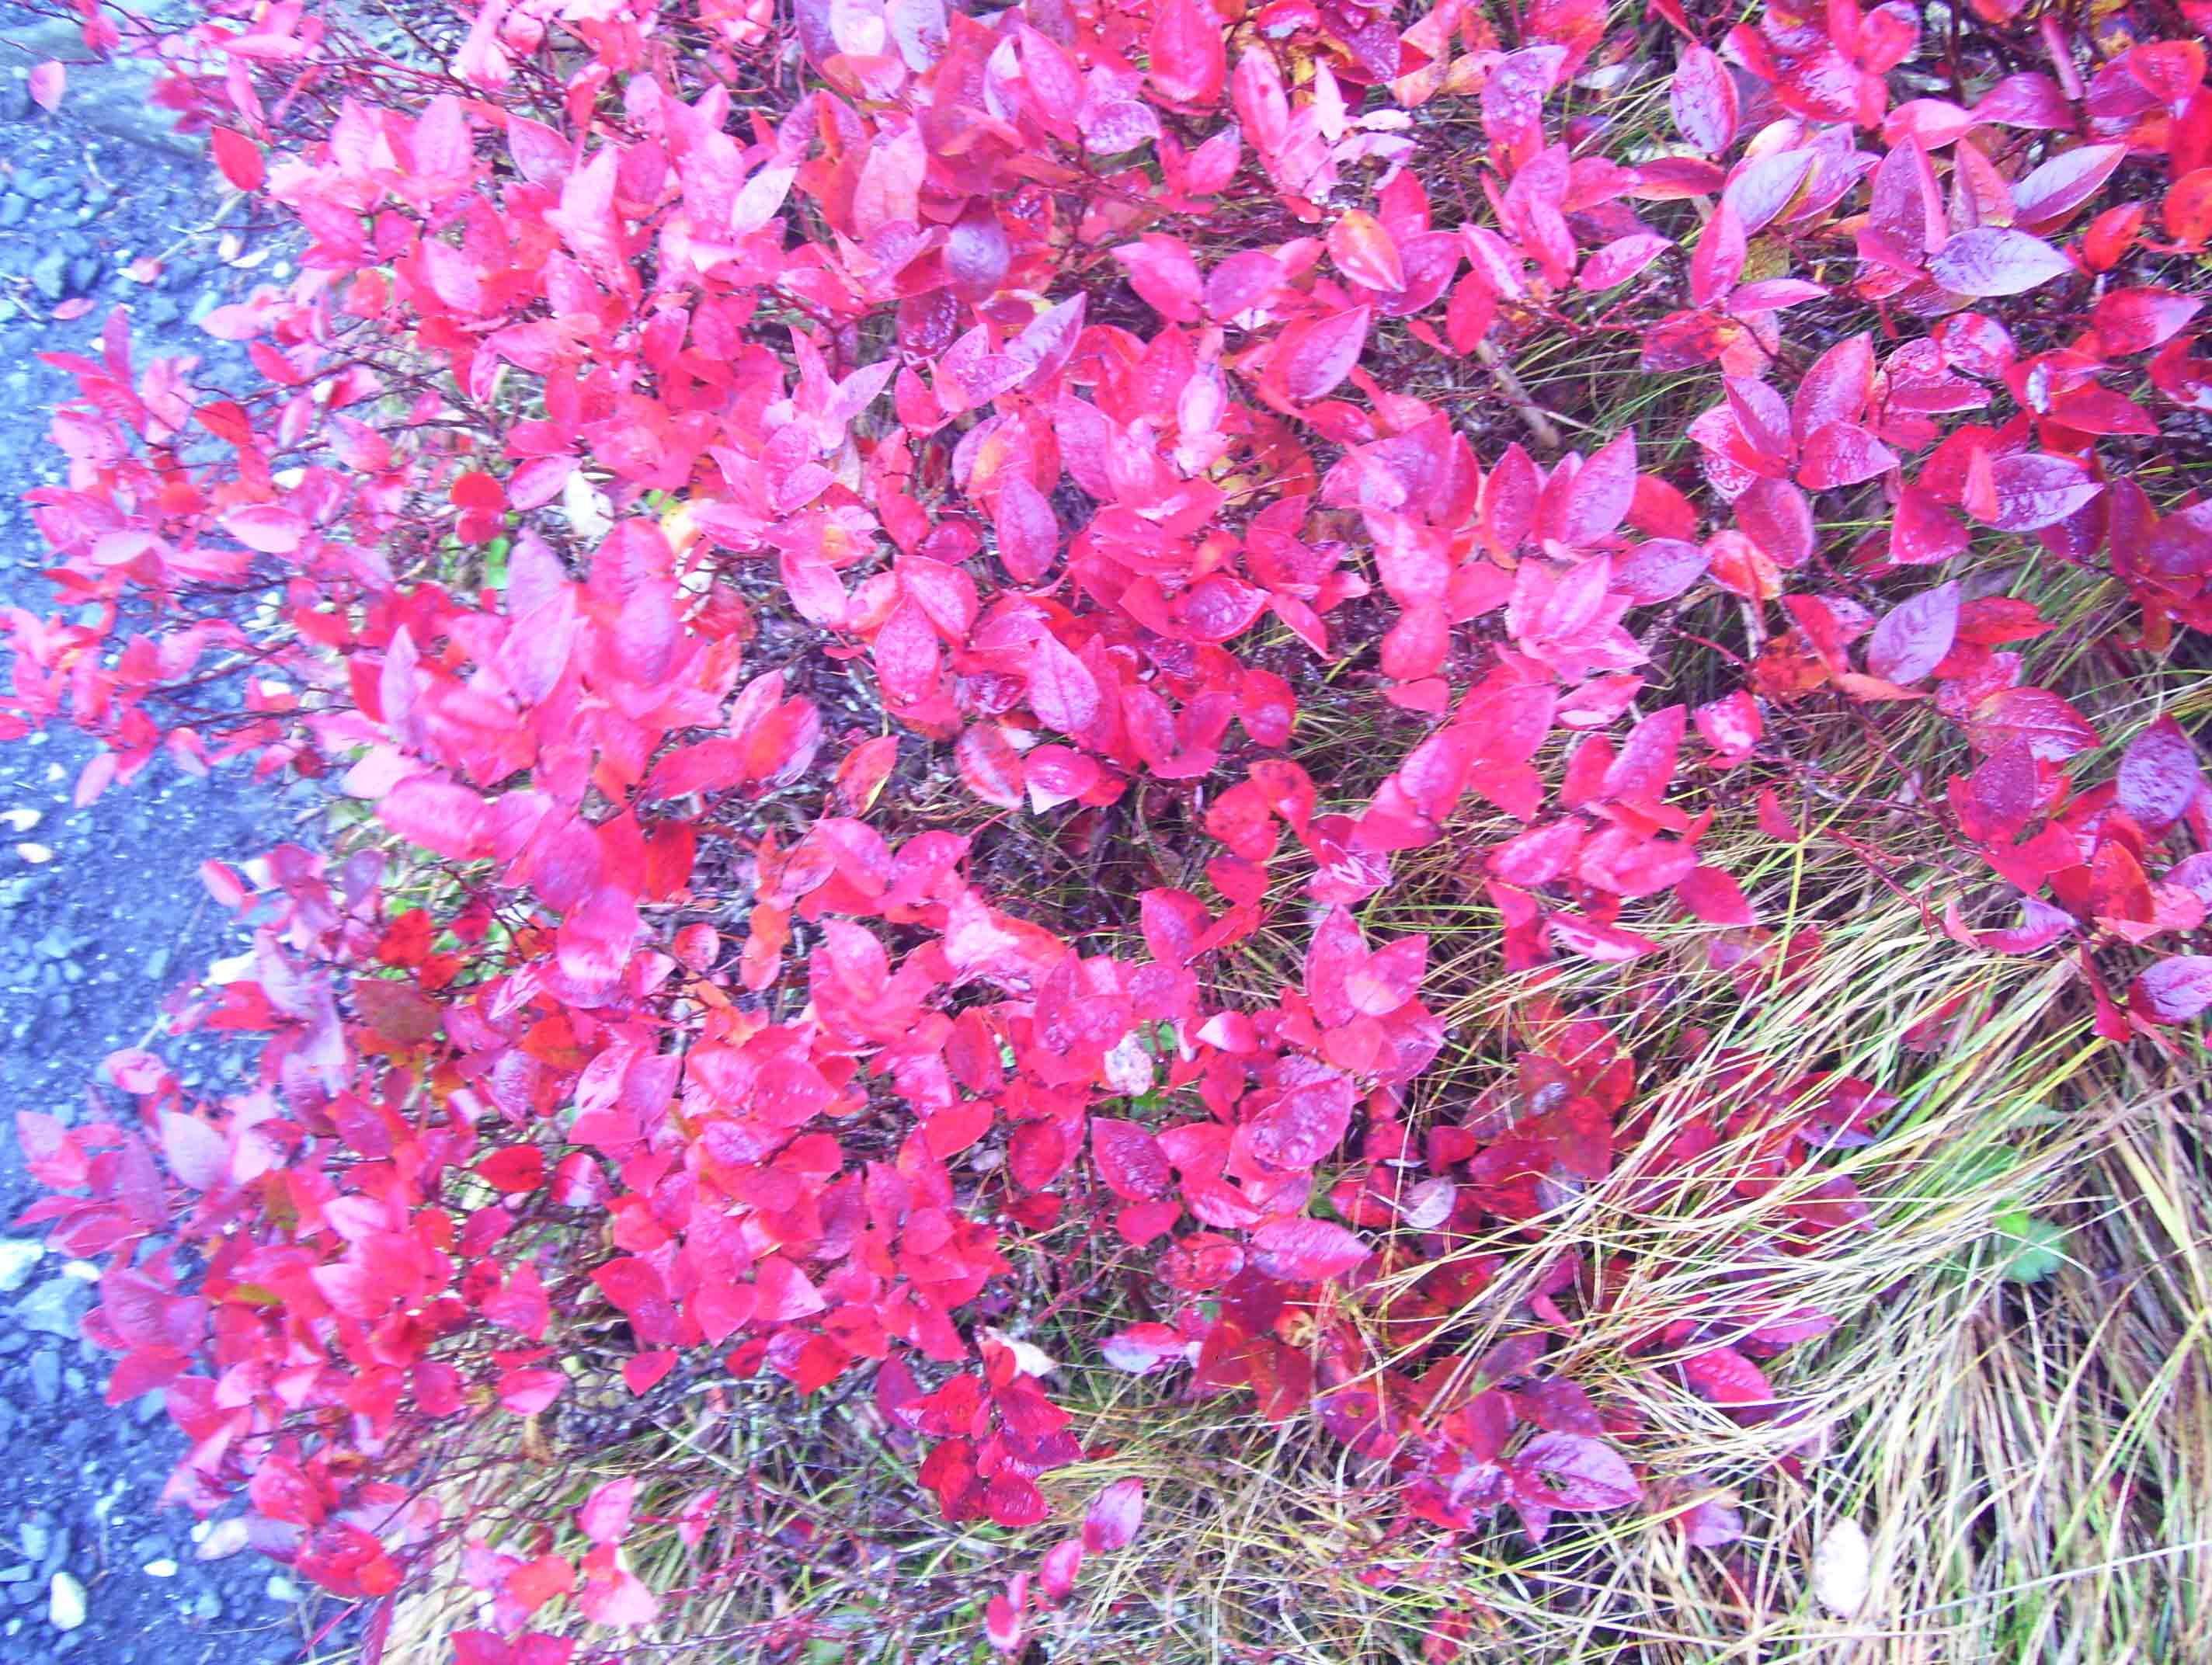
[(65, 1603)]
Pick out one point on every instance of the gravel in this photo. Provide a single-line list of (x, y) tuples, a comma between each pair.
[(102, 914)]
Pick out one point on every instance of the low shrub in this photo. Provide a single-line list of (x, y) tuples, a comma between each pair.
[(1077, 742)]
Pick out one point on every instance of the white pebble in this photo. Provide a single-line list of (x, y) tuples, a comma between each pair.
[(65, 1603)]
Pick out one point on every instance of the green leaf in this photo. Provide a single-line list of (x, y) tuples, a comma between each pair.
[(2034, 1247)]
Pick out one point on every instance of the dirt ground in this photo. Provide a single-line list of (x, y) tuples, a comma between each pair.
[(103, 912)]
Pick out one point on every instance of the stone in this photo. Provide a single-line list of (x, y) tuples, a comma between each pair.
[(56, 1308), (46, 1375), (50, 275), (18, 1255), (65, 1603)]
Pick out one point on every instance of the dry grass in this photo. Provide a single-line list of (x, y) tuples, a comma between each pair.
[(2028, 1460)]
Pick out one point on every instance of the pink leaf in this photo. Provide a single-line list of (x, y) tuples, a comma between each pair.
[(439, 816), (1113, 1517), (605, 1515), (1062, 690), (198, 1155), (1576, 1472), (48, 81), (2035, 489), (2160, 775), (2174, 991), (1913, 637), (1703, 99)]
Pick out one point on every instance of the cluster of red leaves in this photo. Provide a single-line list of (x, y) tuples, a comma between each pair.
[(1028, 365)]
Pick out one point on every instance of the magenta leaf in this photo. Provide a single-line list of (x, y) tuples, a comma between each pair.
[(1914, 636), (1991, 260)]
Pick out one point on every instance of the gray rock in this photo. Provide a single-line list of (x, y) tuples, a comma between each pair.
[(50, 275), (115, 97), (57, 1307), (37, 1538), (13, 208), (17, 1256), (46, 1375)]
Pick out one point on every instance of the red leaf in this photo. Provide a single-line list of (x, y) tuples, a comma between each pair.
[(1164, 273), (1013, 1500), (1843, 454), (2136, 320), (1724, 1377), (527, 1393), (1300, 1250), (1188, 56), (270, 528), (612, 1595), (1621, 261), (990, 765), (1991, 260), (48, 81), (239, 157), (1364, 251), (1836, 388), (1027, 530), (1056, 1571), (1313, 357), (1718, 261), (1129, 1159), (1714, 896), (2065, 182), (1598, 494), (1914, 636), (1115, 1516)]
